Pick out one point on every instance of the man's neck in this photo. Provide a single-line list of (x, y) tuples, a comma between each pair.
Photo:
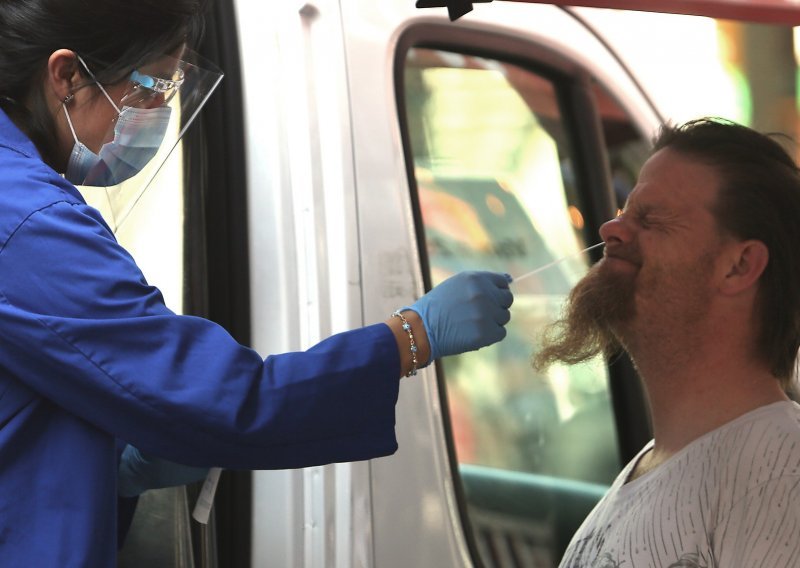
[(693, 395)]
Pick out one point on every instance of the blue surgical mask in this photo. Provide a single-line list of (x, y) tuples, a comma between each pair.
[(138, 134), (81, 160)]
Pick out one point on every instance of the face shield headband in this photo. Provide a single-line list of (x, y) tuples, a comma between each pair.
[(159, 104)]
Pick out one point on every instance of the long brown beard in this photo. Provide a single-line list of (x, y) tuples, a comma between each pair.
[(593, 312)]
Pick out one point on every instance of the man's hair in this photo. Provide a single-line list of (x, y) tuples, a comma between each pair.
[(759, 198), (112, 36)]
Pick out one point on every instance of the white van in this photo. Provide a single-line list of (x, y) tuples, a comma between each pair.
[(357, 153)]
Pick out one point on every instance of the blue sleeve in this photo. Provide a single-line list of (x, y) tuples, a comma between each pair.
[(80, 326)]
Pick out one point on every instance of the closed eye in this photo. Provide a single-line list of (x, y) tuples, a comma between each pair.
[(648, 217)]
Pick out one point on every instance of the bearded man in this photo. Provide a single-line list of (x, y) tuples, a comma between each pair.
[(700, 284)]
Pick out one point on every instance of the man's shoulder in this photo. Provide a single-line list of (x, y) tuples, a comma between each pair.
[(776, 421), (758, 447)]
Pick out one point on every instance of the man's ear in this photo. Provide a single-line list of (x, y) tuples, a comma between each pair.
[(745, 263), (63, 75)]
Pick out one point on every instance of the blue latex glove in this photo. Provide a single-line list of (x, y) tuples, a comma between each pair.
[(465, 312), (139, 472)]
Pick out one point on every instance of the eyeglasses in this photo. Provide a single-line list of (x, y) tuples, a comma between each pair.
[(145, 90)]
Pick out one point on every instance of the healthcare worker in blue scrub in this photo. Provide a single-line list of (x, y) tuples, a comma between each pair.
[(89, 353)]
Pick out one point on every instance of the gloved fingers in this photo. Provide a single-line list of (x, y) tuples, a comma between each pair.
[(503, 297), (499, 279), (494, 304), (501, 332), (492, 334), (502, 317), (496, 285)]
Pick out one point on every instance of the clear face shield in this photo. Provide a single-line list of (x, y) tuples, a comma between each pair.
[(161, 102)]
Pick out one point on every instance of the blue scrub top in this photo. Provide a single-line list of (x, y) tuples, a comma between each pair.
[(90, 353)]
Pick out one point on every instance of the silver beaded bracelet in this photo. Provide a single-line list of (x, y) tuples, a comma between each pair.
[(407, 329)]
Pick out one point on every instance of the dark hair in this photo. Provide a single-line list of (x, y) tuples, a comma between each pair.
[(112, 36), (759, 198)]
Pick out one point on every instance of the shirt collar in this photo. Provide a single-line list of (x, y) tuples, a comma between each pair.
[(13, 138)]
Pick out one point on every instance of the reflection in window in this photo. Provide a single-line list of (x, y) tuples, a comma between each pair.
[(496, 191), (495, 178), (626, 148)]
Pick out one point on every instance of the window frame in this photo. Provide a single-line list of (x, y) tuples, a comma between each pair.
[(216, 259)]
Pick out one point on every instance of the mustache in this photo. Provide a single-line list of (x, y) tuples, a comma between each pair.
[(623, 252)]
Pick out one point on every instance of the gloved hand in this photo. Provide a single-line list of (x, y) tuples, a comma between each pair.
[(139, 472), (465, 312)]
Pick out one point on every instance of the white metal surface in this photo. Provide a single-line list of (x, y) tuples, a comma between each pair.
[(304, 253)]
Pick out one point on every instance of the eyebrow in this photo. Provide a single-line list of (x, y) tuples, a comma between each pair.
[(645, 207), (639, 208)]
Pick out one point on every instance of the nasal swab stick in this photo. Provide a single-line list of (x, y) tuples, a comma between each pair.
[(557, 261)]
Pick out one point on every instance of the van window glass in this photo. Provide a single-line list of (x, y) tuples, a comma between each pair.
[(626, 147), (494, 173)]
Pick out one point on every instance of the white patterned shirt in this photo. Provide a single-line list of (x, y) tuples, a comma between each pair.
[(730, 499)]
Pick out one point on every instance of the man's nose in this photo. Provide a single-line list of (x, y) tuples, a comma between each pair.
[(616, 231)]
